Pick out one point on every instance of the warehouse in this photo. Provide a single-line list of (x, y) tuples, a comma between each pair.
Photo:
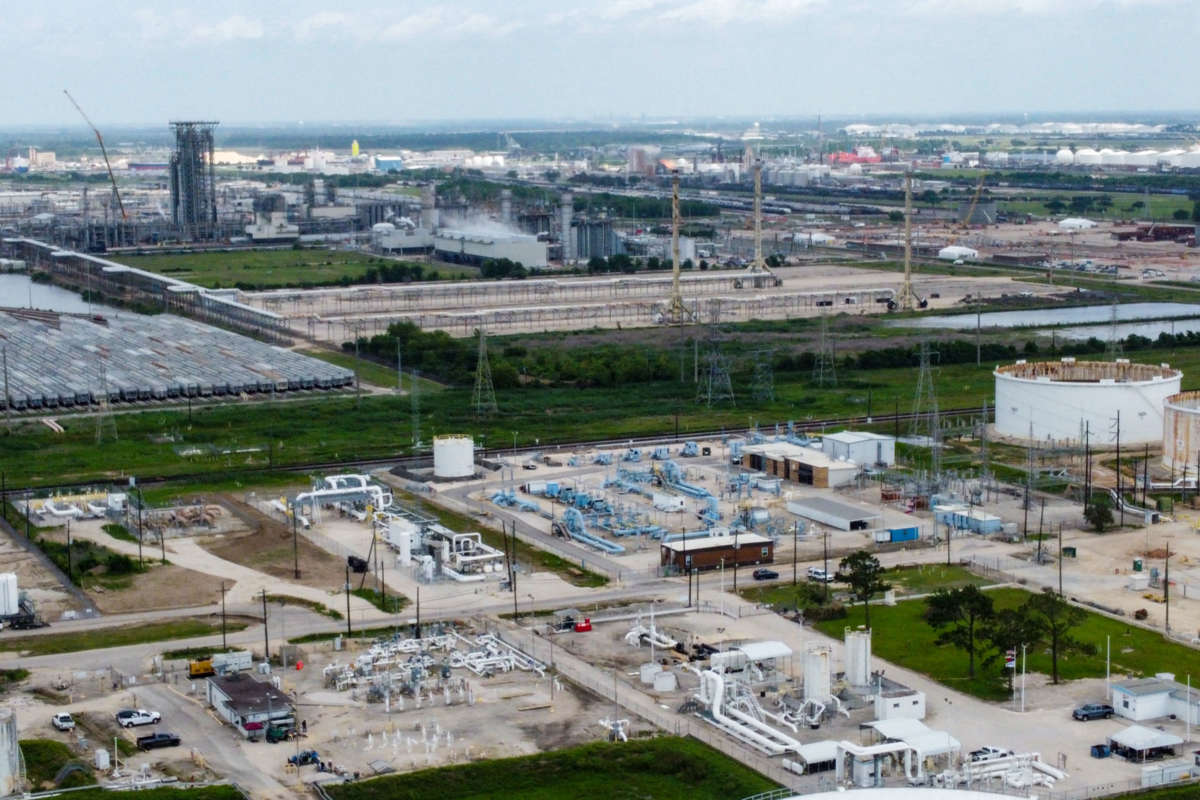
[(714, 552), (1062, 401), (475, 248), (833, 513), (861, 447), (799, 464), (56, 360)]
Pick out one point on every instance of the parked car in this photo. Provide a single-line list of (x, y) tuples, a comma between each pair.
[(818, 574), (988, 753), (304, 757), (1093, 711), (62, 720), (128, 717), (157, 740), (765, 574)]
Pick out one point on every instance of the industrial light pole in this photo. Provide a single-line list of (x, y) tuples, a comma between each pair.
[(266, 635), (133, 485), (295, 544), (349, 633), (224, 645)]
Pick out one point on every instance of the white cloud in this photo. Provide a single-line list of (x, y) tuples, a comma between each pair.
[(1029, 7), (438, 22), (725, 12), (229, 29), (311, 25)]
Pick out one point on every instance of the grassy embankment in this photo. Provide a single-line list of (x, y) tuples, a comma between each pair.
[(99, 638), (905, 581), (666, 768)]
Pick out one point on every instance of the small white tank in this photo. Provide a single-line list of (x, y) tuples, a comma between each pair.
[(453, 456), (858, 657), (101, 759), (10, 754), (9, 594), (649, 672), (816, 673), (665, 682)]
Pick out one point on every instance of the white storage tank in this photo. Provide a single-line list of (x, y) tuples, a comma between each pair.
[(453, 456), (816, 673), (10, 754), (858, 656), (1057, 401), (1181, 432), (9, 594)]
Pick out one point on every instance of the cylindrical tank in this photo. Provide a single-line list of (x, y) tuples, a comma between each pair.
[(665, 682), (858, 657), (10, 755), (1058, 401), (816, 673), (648, 671), (9, 595), (453, 456), (1181, 432)]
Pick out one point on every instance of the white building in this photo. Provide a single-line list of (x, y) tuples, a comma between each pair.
[(1155, 698), (1061, 400), (956, 252), (472, 248), (861, 447), (1076, 224), (249, 705)]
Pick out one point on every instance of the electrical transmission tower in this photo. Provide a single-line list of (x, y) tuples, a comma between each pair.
[(715, 385), (484, 401), (762, 387), (824, 368), (925, 420), (1114, 349), (105, 424)]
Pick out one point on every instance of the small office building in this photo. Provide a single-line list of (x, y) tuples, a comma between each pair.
[(1155, 698), (862, 447), (799, 464), (249, 705), (711, 552)]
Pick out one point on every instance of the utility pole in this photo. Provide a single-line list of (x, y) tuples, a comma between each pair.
[(295, 543), (349, 633), (70, 577), (1120, 497), (795, 540), (1167, 590), (735, 560), (1060, 560), (7, 396), (224, 645), (266, 636), (825, 558), (133, 484)]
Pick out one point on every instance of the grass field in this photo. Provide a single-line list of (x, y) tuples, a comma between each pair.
[(272, 268), (372, 372), (1162, 206), (49, 644), (222, 792), (666, 768), (45, 757), (905, 580), (262, 436), (902, 636)]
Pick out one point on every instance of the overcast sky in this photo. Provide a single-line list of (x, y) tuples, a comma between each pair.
[(398, 62)]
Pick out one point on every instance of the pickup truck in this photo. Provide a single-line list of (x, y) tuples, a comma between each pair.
[(129, 717), (156, 740), (62, 720)]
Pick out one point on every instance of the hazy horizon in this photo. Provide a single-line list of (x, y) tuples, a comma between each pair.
[(626, 62)]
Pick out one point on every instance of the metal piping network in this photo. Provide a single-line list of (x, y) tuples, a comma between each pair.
[(739, 724)]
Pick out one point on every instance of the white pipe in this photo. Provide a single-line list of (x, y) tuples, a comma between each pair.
[(718, 698), (460, 577)]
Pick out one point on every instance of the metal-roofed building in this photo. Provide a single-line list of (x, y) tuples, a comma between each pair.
[(799, 464), (1155, 698), (746, 549), (249, 705), (834, 513), (861, 447)]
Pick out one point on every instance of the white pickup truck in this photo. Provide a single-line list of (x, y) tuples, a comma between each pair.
[(129, 717), (63, 721)]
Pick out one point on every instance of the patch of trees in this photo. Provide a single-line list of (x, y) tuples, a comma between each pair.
[(619, 205)]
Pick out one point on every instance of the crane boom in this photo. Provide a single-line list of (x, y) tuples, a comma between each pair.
[(103, 152)]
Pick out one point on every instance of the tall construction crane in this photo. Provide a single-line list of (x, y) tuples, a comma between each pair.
[(103, 151), (966, 223)]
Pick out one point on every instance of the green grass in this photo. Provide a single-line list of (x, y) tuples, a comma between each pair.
[(902, 636), (666, 768), (358, 633), (45, 757), (118, 531), (391, 604), (1188, 792), (196, 653), (100, 638), (1162, 206), (311, 605), (372, 371), (11, 677), (266, 268), (920, 579)]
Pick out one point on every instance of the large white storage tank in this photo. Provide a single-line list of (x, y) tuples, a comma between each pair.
[(10, 755), (453, 456), (1058, 400), (1064, 156), (816, 673), (858, 656), (9, 594), (1181, 432)]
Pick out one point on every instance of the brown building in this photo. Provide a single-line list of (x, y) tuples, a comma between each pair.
[(710, 552), (798, 464)]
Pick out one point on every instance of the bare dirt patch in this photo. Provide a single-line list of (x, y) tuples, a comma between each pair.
[(269, 550), (163, 586)]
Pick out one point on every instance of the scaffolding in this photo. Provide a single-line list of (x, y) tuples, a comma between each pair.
[(193, 180)]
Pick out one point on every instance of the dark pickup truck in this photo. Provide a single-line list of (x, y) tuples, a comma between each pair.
[(156, 740)]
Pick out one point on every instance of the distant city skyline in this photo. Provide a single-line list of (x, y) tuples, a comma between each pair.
[(403, 63)]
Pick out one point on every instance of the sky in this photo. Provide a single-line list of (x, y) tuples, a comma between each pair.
[(392, 61)]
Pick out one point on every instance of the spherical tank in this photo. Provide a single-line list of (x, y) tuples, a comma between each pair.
[(1181, 432), (453, 456), (1061, 401)]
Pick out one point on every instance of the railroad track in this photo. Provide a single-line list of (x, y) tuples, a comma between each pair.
[(807, 426)]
